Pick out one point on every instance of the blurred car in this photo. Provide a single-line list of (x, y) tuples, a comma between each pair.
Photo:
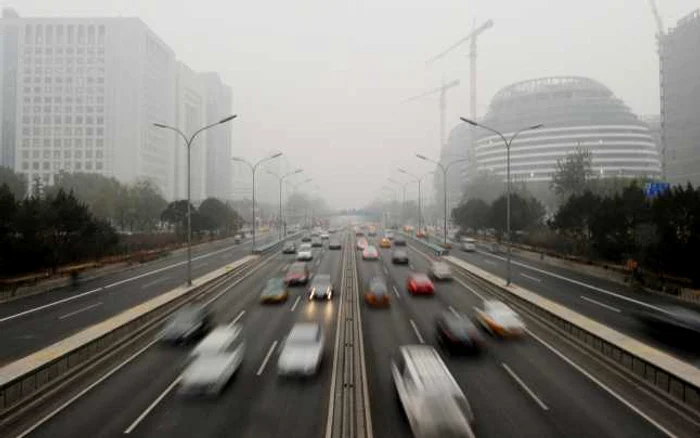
[(302, 350), (359, 232), (377, 294), (362, 243), (440, 271), (321, 287), (306, 238), (316, 242), (456, 333), (468, 244), (325, 236), (289, 248), (187, 324), (420, 284), (237, 239), (499, 319), (298, 273), (399, 241), (399, 257), (275, 291), (671, 319), (372, 232), (220, 356), (496, 248), (389, 235), (433, 401), (305, 253), (421, 234), (370, 253), (334, 244), (385, 243)]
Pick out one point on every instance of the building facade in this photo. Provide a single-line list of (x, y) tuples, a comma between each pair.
[(218, 150), (577, 113), (681, 100), (85, 92), (457, 147)]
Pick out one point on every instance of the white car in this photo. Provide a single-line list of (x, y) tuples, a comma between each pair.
[(499, 319), (302, 351), (440, 271), (325, 236), (434, 404), (215, 361), (305, 252), (468, 244)]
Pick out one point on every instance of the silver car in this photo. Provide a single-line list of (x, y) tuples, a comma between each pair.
[(302, 351)]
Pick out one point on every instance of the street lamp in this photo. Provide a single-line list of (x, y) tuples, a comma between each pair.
[(297, 185), (507, 142), (253, 168), (444, 186), (418, 180), (188, 145), (281, 179)]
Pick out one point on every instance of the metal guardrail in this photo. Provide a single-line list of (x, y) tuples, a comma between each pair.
[(437, 250), (28, 378), (270, 246), (669, 377)]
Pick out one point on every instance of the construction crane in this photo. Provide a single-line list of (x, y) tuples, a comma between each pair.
[(443, 104), (472, 37), (660, 36)]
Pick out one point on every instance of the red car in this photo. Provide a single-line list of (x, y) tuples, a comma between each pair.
[(298, 273), (420, 284), (370, 253)]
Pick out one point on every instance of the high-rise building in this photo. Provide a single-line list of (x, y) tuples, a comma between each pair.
[(81, 94), (218, 150), (681, 94)]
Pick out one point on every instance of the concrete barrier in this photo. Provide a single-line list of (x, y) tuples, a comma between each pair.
[(667, 375), (24, 378)]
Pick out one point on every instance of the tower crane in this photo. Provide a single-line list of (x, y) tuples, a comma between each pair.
[(660, 36), (443, 103)]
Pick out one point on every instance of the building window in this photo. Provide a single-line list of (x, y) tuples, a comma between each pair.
[(100, 131), (88, 131), (36, 143), (25, 142), (25, 165), (47, 144), (25, 155), (26, 131), (66, 154), (78, 132), (100, 120), (28, 34), (35, 165), (56, 155), (99, 143), (78, 120), (78, 154), (78, 165), (35, 155), (89, 143), (59, 35), (67, 131), (47, 155), (98, 165), (36, 132), (88, 165), (46, 165), (68, 119), (67, 165), (81, 34), (98, 154), (78, 142)]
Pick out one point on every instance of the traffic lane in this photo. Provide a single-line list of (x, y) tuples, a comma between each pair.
[(568, 401), (34, 331), (500, 408), (113, 405), (383, 330), (258, 403), (614, 313)]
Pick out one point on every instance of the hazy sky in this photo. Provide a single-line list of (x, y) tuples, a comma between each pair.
[(324, 80)]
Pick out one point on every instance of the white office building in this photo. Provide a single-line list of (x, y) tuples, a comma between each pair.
[(218, 153), (81, 94)]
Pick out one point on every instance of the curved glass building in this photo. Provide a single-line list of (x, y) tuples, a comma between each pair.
[(576, 112)]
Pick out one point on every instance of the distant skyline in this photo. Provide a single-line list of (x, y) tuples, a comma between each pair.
[(324, 81)]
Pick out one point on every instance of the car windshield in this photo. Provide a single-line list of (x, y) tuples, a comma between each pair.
[(378, 287), (274, 285), (420, 278), (400, 254), (304, 334), (186, 316)]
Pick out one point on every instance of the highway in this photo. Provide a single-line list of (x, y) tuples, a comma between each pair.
[(603, 300), (141, 399), (516, 388), (32, 323)]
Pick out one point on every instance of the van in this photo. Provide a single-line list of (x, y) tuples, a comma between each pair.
[(434, 404)]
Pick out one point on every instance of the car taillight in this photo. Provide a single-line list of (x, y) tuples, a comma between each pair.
[(412, 284)]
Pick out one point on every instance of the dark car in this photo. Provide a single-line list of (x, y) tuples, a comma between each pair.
[(399, 241), (334, 244), (316, 242), (399, 257), (306, 238), (289, 248), (457, 334), (298, 273), (189, 323), (321, 287)]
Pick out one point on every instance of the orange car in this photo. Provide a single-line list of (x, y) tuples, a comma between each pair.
[(385, 243), (377, 294)]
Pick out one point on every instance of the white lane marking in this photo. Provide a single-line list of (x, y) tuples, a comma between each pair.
[(454, 312), (581, 283), (285, 267), (90, 292), (267, 357), (614, 309), (111, 372), (529, 277), (396, 292), (469, 288), (600, 384), (152, 406), (415, 329), (385, 271), (154, 282), (92, 306), (522, 384), (294, 306), (240, 315), (411, 267)]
